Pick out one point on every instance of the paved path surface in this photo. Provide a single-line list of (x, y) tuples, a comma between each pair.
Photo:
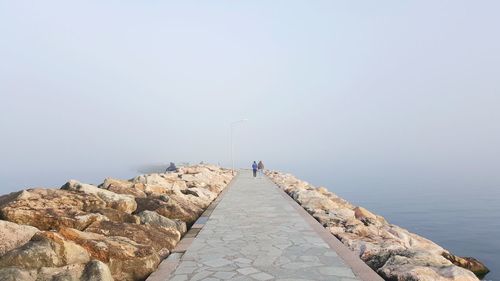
[(255, 234)]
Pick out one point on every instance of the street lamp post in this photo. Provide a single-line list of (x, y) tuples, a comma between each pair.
[(232, 144)]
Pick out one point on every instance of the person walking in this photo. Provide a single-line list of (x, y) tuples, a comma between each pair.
[(260, 166), (254, 169)]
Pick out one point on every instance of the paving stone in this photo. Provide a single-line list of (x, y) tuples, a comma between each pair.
[(247, 270), (262, 276)]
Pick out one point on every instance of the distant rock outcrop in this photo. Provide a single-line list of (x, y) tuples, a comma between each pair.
[(119, 230), (393, 252)]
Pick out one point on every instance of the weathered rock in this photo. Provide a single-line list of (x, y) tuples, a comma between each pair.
[(48, 209), (410, 265), (312, 200), (17, 274), (115, 215), (170, 208), (361, 213), (127, 260), (124, 203), (96, 271), (92, 271), (155, 179), (469, 263), (124, 187), (46, 249), (160, 238), (13, 235), (150, 217)]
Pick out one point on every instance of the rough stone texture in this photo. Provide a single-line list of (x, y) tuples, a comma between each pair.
[(46, 249), (170, 208), (470, 263), (13, 235), (48, 209), (394, 252), (149, 217), (124, 187), (126, 259), (412, 265), (158, 237), (116, 215), (92, 271), (255, 234), (124, 203)]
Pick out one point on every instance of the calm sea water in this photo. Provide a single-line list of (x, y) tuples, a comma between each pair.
[(464, 220)]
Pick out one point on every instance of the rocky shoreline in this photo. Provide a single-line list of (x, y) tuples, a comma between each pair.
[(119, 230), (393, 252)]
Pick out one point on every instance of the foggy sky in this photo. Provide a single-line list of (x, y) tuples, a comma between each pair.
[(345, 92)]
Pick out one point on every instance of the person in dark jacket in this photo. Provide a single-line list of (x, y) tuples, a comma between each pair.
[(254, 169)]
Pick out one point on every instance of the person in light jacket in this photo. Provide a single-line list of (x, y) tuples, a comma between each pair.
[(260, 166)]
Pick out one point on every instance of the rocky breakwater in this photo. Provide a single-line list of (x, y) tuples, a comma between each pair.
[(393, 252), (119, 230)]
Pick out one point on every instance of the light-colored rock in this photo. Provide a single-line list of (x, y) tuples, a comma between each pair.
[(92, 271), (162, 239), (170, 208), (127, 260), (48, 209), (410, 265), (361, 213), (124, 187), (115, 215), (150, 217), (17, 274), (13, 235), (46, 249), (122, 202)]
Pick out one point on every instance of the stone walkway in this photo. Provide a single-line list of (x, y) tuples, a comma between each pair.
[(255, 234)]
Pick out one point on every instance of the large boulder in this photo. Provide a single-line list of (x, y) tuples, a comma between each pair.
[(312, 200), (170, 208), (116, 215), (361, 214), (121, 202), (150, 217), (127, 260), (48, 209), (46, 249), (418, 265), (13, 235), (92, 271), (124, 187), (469, 263), (162, 239)]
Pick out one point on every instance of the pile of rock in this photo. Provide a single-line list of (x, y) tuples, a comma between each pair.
[(118, 230), (393, 252)]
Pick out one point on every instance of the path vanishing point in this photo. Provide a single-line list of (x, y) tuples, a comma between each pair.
[(254, 231)]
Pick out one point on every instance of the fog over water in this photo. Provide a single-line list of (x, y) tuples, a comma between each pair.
[(394, 105)]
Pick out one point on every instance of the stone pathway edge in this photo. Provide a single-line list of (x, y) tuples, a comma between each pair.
[(168, 265), (359, 268)]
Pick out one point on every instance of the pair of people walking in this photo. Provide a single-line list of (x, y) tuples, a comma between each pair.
[(258, 168)]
